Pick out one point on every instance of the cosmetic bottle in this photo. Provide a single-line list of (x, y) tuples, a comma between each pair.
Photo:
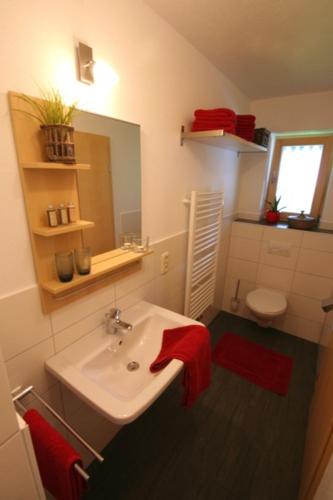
[(63, 215), (71, 212), (52, 216)]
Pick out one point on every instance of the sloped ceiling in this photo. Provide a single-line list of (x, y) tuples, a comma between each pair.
[(266, 47)]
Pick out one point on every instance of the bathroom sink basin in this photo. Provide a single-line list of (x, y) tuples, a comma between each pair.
[(111, 371)]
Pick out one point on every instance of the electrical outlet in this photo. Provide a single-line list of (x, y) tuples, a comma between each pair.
[(164, 262)]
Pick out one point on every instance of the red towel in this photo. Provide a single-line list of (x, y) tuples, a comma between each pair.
[(246, 118), (56, 459), (215, 113), (190, 344)]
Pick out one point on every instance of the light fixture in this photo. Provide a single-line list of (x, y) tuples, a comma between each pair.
[(85, 63)]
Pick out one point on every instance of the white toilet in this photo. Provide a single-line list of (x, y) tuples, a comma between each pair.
[(266, 305)]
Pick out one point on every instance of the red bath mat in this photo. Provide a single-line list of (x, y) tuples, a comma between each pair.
[(256, 363)]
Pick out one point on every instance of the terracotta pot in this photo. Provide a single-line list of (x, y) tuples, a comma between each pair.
[(272, 217)]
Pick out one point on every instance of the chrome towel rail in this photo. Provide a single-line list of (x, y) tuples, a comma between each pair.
[(30, 390)]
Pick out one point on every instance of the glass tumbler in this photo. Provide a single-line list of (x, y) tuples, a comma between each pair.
[(140, 245), (83, 260), (64, 265), (126, 241)]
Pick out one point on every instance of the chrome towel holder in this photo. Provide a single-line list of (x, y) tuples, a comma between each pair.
[(30, 390)]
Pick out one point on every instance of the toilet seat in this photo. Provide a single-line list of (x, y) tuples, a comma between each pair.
[(266, 302)]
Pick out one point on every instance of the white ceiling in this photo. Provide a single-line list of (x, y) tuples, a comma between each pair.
[(266, 47)]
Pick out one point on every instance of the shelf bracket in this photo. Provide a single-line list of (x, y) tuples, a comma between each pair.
[(182, 130)]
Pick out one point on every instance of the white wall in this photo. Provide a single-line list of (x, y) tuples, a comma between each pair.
[(284, 114), (161, 80)]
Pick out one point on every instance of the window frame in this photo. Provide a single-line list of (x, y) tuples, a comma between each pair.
[(323, 174)]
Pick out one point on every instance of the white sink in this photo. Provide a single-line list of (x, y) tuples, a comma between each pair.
[(96, 367)]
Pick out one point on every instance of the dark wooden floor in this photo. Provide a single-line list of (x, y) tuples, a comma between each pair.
[(238, 442)]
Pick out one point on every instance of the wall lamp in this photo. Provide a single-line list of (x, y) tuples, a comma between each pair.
[(85, 63)]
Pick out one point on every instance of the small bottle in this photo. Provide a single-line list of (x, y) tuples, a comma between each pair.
[(52, 216), (71, 212), (63, 215)]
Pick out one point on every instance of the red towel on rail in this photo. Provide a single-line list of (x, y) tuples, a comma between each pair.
[(56, 459), (190, 344)]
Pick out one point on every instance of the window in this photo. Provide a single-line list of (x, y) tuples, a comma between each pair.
[(300, 173)]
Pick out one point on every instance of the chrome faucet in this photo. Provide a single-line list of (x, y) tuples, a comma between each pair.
[(113, 323)]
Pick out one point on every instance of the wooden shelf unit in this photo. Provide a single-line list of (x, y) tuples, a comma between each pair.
[(45, 183), (48, 232), (99, 269), (46, 165), (223, 140)]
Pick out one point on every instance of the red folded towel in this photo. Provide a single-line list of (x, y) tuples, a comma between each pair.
[(190, 344), (217, 112), (56, 459), (246, 118)]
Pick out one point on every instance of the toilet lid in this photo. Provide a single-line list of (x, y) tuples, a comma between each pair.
[(266, 301)]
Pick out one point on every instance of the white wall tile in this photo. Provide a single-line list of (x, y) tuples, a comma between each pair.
[(243, 248), (246, 230), (274, 277), (28, 367), (309, 285), (283, 235), (78, 330), (136, 279), (314, 262), (318, 241), (308, 330), (287, 323), (305, 307), (8, 418), (284, 262), (242, 269), (22, 322), (74, 312), (145, 292), (17, 482)]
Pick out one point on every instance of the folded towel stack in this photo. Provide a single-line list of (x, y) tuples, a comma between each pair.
[(214, 119), (245, 127)]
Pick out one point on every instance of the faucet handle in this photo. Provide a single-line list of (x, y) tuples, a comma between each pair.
[(114, 313)]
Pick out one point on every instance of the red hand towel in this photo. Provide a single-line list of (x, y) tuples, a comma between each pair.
[(190, 344), (55, 458), (218, 112)]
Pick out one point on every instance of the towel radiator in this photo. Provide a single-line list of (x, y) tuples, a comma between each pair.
[(203, 247)]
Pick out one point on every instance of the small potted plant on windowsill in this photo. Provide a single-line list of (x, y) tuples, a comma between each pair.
[(273, 214), (55, 119)]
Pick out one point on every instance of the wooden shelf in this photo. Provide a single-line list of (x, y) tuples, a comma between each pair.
[(45, 165), (63, 229), (99, 269), (223, 140)]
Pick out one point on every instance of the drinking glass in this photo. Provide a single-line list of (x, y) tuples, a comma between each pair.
[(64, 265), (83, 260)]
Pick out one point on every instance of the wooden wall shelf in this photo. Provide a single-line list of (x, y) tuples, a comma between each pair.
[(45, 183), (47, 232), (223, 140), (99, 269), (46, 165)]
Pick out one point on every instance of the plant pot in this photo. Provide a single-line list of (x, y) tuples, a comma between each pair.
[(272, 217), (59, 143)]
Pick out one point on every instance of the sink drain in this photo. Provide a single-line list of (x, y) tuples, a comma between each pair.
[(132, 366)]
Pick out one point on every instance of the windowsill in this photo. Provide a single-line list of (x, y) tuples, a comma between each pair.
[(284, 225)]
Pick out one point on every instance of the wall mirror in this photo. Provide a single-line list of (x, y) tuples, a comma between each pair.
[(110, 192)]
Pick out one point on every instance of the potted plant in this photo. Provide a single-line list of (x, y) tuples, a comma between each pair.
[(273, 214), (55, 119)]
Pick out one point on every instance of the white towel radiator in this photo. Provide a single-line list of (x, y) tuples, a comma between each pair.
[(203, 247)]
